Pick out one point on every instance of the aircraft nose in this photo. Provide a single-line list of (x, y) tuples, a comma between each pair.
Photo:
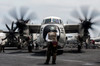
[(49, 28)]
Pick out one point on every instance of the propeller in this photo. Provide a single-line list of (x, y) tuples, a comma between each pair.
[(22, 16), (86, 17), (11, 33)]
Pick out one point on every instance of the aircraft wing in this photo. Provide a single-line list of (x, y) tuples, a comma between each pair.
[(68, 28), (33, 28), (8, 32), (1, 31), (71, 28), (97, 39)]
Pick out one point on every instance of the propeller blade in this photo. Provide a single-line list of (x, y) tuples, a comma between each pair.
[(6, 37), (13, 13), (84, 10), (26, 21), (15, 37), (76, 14), (12, 25), (91, 28), (94, 14), (95, 30), (96, 22), (30, 16), (15, 28), (7, 27), (23, 11), (96, 27)]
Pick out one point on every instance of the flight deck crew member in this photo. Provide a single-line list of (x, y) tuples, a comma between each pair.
[(29, 44), (52, 43), (80, 40), (2, 44)]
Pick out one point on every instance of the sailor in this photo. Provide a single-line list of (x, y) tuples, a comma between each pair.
[(80, 40), (52, 43), (2, 45), (29, 44)]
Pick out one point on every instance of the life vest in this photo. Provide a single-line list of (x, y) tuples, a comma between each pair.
[(52, 36)]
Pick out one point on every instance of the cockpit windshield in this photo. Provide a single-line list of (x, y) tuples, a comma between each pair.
[(47, 21), (56, 21), (52, 21)]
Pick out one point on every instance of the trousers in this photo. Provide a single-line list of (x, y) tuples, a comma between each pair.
[(51, 51)]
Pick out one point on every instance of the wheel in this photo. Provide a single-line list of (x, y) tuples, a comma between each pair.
[(19, 47), (79, 48)]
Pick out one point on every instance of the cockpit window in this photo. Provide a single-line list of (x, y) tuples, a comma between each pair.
[(47, 21), (56, 21), (52, 21)]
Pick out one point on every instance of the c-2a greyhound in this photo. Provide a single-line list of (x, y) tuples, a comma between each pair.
[(48, 23)]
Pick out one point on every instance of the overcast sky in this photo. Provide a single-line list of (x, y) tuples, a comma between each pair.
[(44, 8)]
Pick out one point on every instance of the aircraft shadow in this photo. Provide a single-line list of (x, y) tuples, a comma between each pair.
[(97, 62), (73, 51), (42, 64), (17, 52), (43, 53)]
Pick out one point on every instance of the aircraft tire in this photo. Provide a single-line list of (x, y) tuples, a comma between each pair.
[(19, 47), (79, 48)]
